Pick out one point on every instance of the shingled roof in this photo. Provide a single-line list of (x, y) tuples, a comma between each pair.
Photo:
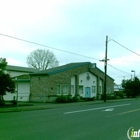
[(65, 68), (21, 69), (61, 68)]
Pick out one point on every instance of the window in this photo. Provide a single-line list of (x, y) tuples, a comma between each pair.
[(100, 89), (80, 90), (108, 89), (72, 89), (65, 89), (58, 89), (93, 89)]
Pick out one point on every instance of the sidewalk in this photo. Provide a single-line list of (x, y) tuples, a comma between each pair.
[(40, 106)]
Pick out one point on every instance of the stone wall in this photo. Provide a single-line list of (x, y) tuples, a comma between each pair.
[(46, 85)]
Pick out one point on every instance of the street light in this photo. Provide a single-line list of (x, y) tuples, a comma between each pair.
[(134, 72)]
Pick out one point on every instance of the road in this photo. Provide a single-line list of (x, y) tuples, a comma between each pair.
[(105, 121)]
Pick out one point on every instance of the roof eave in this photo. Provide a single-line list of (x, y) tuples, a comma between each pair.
[(39, 74)]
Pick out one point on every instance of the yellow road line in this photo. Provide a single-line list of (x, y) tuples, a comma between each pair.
[(126, 112)]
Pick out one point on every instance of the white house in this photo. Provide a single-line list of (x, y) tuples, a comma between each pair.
[(21, 76), (87, 85)]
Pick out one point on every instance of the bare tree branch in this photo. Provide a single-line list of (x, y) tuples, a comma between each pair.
[(42, 59)]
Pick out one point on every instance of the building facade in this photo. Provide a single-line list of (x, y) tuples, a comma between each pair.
[(83, 79), (21, 77)]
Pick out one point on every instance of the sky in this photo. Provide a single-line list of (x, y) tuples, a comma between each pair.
[(77, 26)]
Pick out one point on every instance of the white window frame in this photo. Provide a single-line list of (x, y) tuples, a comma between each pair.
[(81, 86), (72, 89), (66, 89), (93, 89), (59, 89), (100, 89)]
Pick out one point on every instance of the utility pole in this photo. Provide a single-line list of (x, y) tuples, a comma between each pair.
[(106, 43), (17, 92)]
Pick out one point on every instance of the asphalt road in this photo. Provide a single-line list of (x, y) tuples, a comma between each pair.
[(106, 121)]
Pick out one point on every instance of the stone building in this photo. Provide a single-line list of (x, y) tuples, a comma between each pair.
[(83, 79)]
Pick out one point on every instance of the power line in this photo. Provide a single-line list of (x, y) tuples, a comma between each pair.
[(118, 69), (56, 49), (125, 47), (46, 46), (125, 61), (122, 76)]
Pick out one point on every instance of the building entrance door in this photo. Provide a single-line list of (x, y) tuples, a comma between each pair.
[(87, 92)]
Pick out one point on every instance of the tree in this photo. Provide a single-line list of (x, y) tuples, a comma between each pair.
[(42, 59), (6, 82), (3, 64), (131, 87)]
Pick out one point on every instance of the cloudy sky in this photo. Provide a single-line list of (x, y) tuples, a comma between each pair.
[(77, 26)]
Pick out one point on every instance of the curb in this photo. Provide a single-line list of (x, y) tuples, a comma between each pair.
[(25, 109), (43, 107)]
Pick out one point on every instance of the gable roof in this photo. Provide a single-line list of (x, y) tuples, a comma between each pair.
[(66, 67), (61, 68), (20, 69)]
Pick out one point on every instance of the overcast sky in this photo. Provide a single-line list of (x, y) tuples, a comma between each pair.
[(78, 26)]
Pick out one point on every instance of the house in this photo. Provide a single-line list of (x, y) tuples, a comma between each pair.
[(15, 71), (118, 88), (83, 79), (21, 76)]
